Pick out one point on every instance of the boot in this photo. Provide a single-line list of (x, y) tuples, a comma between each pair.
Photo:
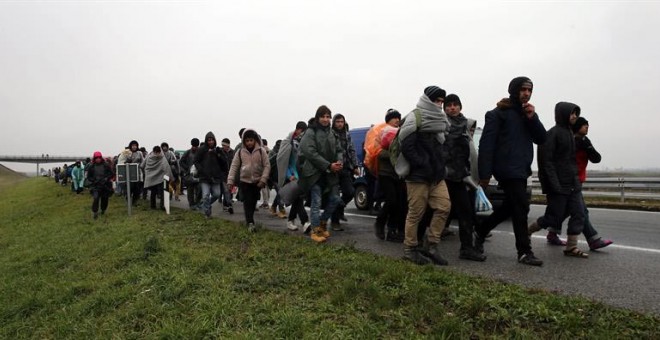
[(413, 255), (431, 251), (379, 230), (472, 254), (317, 235), (323, 227), (336, 226)]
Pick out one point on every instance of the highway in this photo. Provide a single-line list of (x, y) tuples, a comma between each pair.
[(625, 274)]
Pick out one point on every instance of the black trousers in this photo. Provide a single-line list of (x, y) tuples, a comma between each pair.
[(250, 193), (347, 193), (462, 209), (393, 212), (515, 206), (101, 196), (156, 191), (193, 193)]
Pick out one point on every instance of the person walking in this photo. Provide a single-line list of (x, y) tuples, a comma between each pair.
[(322, 161), (506, 151), (288, 171), (350, 163), (211, 166), (78, 177), (99, 177), (227, 195), (251, 166), (155, 168), (422, 135), (190, 179), (457, 148)]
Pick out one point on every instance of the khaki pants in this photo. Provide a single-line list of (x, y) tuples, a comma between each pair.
[(420, 195)]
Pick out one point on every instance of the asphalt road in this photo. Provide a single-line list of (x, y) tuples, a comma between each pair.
[(625, 274)]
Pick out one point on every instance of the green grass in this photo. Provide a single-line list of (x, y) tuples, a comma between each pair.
[(150, 275)]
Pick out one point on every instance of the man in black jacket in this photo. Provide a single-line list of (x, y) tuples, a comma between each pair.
[(212, 169), (506, 152), (191, 181), (422, 135), (558, 175)]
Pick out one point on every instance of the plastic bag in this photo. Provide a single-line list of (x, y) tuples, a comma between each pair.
[(289, 192), (481, 202)]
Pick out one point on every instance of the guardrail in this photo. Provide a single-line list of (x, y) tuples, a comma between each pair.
[(622, 187)]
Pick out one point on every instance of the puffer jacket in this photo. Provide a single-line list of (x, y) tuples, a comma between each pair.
[(506, 147), (250, 166), (558, 172), (457, 149)]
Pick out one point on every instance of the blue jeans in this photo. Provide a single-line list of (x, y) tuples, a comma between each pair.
[(315, 207), (211, 192)]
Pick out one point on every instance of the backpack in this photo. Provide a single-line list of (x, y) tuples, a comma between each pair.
[(372, 148), (395, 149)]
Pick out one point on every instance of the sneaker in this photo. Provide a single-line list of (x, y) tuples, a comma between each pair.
[(291, 226), (336, 227), (599, 243), (252, 228), (445, 233), (530, 259), (554, 240), (264, 205), (472, 255), (307, 228), (413, 255), (343, 218), (532, 228), (230, 210), (317, 235), (281, 213)]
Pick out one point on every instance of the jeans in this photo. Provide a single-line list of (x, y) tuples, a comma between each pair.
[(315, 208), (210, 193), (227, 198), (421, 195), (516, 206), (561, 205)]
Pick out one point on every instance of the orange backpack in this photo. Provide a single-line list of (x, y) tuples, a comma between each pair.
[(372, 148)]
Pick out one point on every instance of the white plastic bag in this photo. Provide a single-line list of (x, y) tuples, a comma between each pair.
[(481, 202)]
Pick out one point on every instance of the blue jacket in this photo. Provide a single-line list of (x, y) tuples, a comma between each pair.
[(505, 149)]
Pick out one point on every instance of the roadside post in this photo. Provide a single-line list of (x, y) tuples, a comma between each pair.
[(128, 173)]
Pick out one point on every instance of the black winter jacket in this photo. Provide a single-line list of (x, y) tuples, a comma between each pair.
[(457, 149), (211, 163), (505, 149), (558, 171), (424, 153)]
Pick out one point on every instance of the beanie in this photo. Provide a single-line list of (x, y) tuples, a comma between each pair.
[(97, 154), (434, 92), (194, 142), (579, 123), (452, 98), (391, 114), (517, 83)]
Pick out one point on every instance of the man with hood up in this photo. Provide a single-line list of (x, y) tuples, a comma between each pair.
[(506, 151), (133, 155), (211, 166), (422, 134), (99, 177), (558, 175), (340, 127)]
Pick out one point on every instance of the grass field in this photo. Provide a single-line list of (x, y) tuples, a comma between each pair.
[(65, 275)]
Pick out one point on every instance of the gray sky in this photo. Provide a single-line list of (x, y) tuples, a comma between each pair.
[(79, 76)]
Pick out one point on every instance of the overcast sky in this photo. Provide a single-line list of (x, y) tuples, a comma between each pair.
[(80, 76)]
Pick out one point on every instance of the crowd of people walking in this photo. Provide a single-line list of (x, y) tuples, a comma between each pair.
[(425, 164)]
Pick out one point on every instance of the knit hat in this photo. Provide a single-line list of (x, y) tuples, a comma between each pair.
[(194, 142), (97, 154), (225, 141), (452, 98), (579, 123), (391, 114), (434, 92), (517, 83)]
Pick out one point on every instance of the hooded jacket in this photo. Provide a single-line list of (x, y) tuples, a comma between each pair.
[(211, 162), (506, 147), (99, 177), (346, 143), (250, 166), (422, 147), (474, 156), (556, 157), (457, 149)]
